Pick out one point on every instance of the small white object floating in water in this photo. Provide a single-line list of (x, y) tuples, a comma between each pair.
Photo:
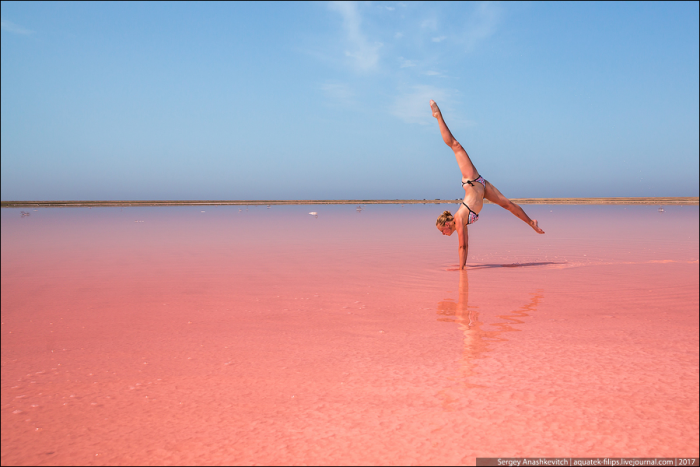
[(358, 209), (202, 211), (314, 213), (661, 209)]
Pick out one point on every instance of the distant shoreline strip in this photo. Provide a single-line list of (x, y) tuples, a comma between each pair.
[(601, 201)]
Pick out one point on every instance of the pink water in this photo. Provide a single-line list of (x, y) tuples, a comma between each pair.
[(269, 336)]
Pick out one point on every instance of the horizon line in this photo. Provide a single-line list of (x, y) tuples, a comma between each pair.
[(671, 200)]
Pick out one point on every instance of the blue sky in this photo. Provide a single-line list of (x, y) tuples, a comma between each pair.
[(330, 100)]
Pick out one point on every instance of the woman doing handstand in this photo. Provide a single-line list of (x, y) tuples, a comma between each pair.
[(475, 190)]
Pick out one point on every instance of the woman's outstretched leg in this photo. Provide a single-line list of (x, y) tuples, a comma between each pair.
[(492, 194), (465, 164)]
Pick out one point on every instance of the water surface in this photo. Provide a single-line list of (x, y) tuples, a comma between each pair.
[(223, 335)]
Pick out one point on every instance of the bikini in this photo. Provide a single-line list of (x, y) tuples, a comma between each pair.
[(473, 217)]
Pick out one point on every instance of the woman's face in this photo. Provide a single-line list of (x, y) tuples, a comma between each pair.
[(447, 229)]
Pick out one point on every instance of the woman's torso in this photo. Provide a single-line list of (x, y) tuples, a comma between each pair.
[(473, 197)]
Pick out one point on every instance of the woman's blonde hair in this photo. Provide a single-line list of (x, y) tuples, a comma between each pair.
[(444, 217)]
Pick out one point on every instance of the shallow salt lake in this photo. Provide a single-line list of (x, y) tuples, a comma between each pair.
[(234, 335)]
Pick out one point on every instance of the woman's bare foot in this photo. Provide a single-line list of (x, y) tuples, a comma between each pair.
[(534, 225), (434, 107)]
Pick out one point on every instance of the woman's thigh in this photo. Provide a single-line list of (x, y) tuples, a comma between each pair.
[(492, 194), (465, 163)]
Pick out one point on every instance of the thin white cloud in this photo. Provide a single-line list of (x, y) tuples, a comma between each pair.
[(481, 24), (13, 28), (339, 93), (407, 63), (413, 104), (430, 23), (361, 51), (363, 55), (390, 8)]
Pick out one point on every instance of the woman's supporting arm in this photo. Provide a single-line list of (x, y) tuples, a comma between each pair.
[(463, 245)]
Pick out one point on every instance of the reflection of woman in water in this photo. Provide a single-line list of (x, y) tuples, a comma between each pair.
[(476, 339), (480, 334), (475, 190)]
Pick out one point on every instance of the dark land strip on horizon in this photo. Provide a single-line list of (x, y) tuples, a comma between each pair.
[(667, 201)]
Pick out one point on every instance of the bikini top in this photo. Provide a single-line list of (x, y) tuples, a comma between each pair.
[(472, 217)]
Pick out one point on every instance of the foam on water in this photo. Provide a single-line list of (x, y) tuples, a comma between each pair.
[(269, 336)]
